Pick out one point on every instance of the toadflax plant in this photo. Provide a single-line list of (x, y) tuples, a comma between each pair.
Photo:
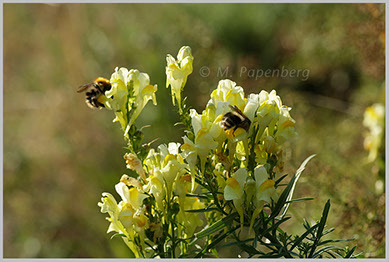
[(221, 186)]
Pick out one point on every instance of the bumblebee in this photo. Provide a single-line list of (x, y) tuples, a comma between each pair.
[(235, 119), (94, 91)]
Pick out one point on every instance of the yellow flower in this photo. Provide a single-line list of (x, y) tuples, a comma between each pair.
[(188, 152), (204, 142), (177, 72), (140, 222), (134, 163), (374, 115), (155, 188), (181, 187), (374, 120), (170, 172), (251, 106), (265, 191), (240, 151), (130, 92), (267, 117), (228, 91), (124, 217), (234, 190), (133, 195), (190, 221), (119, 214), (119, 90), (166, 166), (109, 205), (130, 181), (152, 160), (285, 125), (146, 94)]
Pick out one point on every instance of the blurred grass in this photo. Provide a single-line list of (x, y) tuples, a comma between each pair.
[(59, 156)]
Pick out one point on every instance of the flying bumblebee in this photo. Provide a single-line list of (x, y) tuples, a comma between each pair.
[(235, 119), (94, 91)]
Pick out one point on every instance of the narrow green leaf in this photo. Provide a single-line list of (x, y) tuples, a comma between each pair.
[(202, 210), (328, 231), (215, 242), (238, 242), (299, 200), (250, 249), (199, 195), (306, 224), (280, 179), (276, 225), (330, 253), (216, 226), (323, 249), (323, 219), (357, 255), (348, 255), (282, 199), (271, 255), (320, 229), (303, 236), (296, 177), (336, 252), (334, 241)]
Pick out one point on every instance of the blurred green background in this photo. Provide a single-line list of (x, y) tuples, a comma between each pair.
[(59, 155)]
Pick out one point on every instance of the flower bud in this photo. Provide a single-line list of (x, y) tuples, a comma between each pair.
[(134, 163)]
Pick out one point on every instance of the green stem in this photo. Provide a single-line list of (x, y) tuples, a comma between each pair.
[(214, 195), (173, 240)]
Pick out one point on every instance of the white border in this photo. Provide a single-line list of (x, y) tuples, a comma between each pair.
[(198, 1)]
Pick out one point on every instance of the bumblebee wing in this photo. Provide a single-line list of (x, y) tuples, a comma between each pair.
[(84, 87)]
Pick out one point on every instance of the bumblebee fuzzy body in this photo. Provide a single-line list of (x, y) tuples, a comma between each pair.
[(235, 119), (94, 91)]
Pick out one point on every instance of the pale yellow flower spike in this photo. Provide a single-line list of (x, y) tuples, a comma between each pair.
[(234, 191), (131, 90), (177, 72)]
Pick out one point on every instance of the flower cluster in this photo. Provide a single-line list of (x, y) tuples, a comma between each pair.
[(251, 157), (166, 185), (127, 218), (228, 161), (130, 92)]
